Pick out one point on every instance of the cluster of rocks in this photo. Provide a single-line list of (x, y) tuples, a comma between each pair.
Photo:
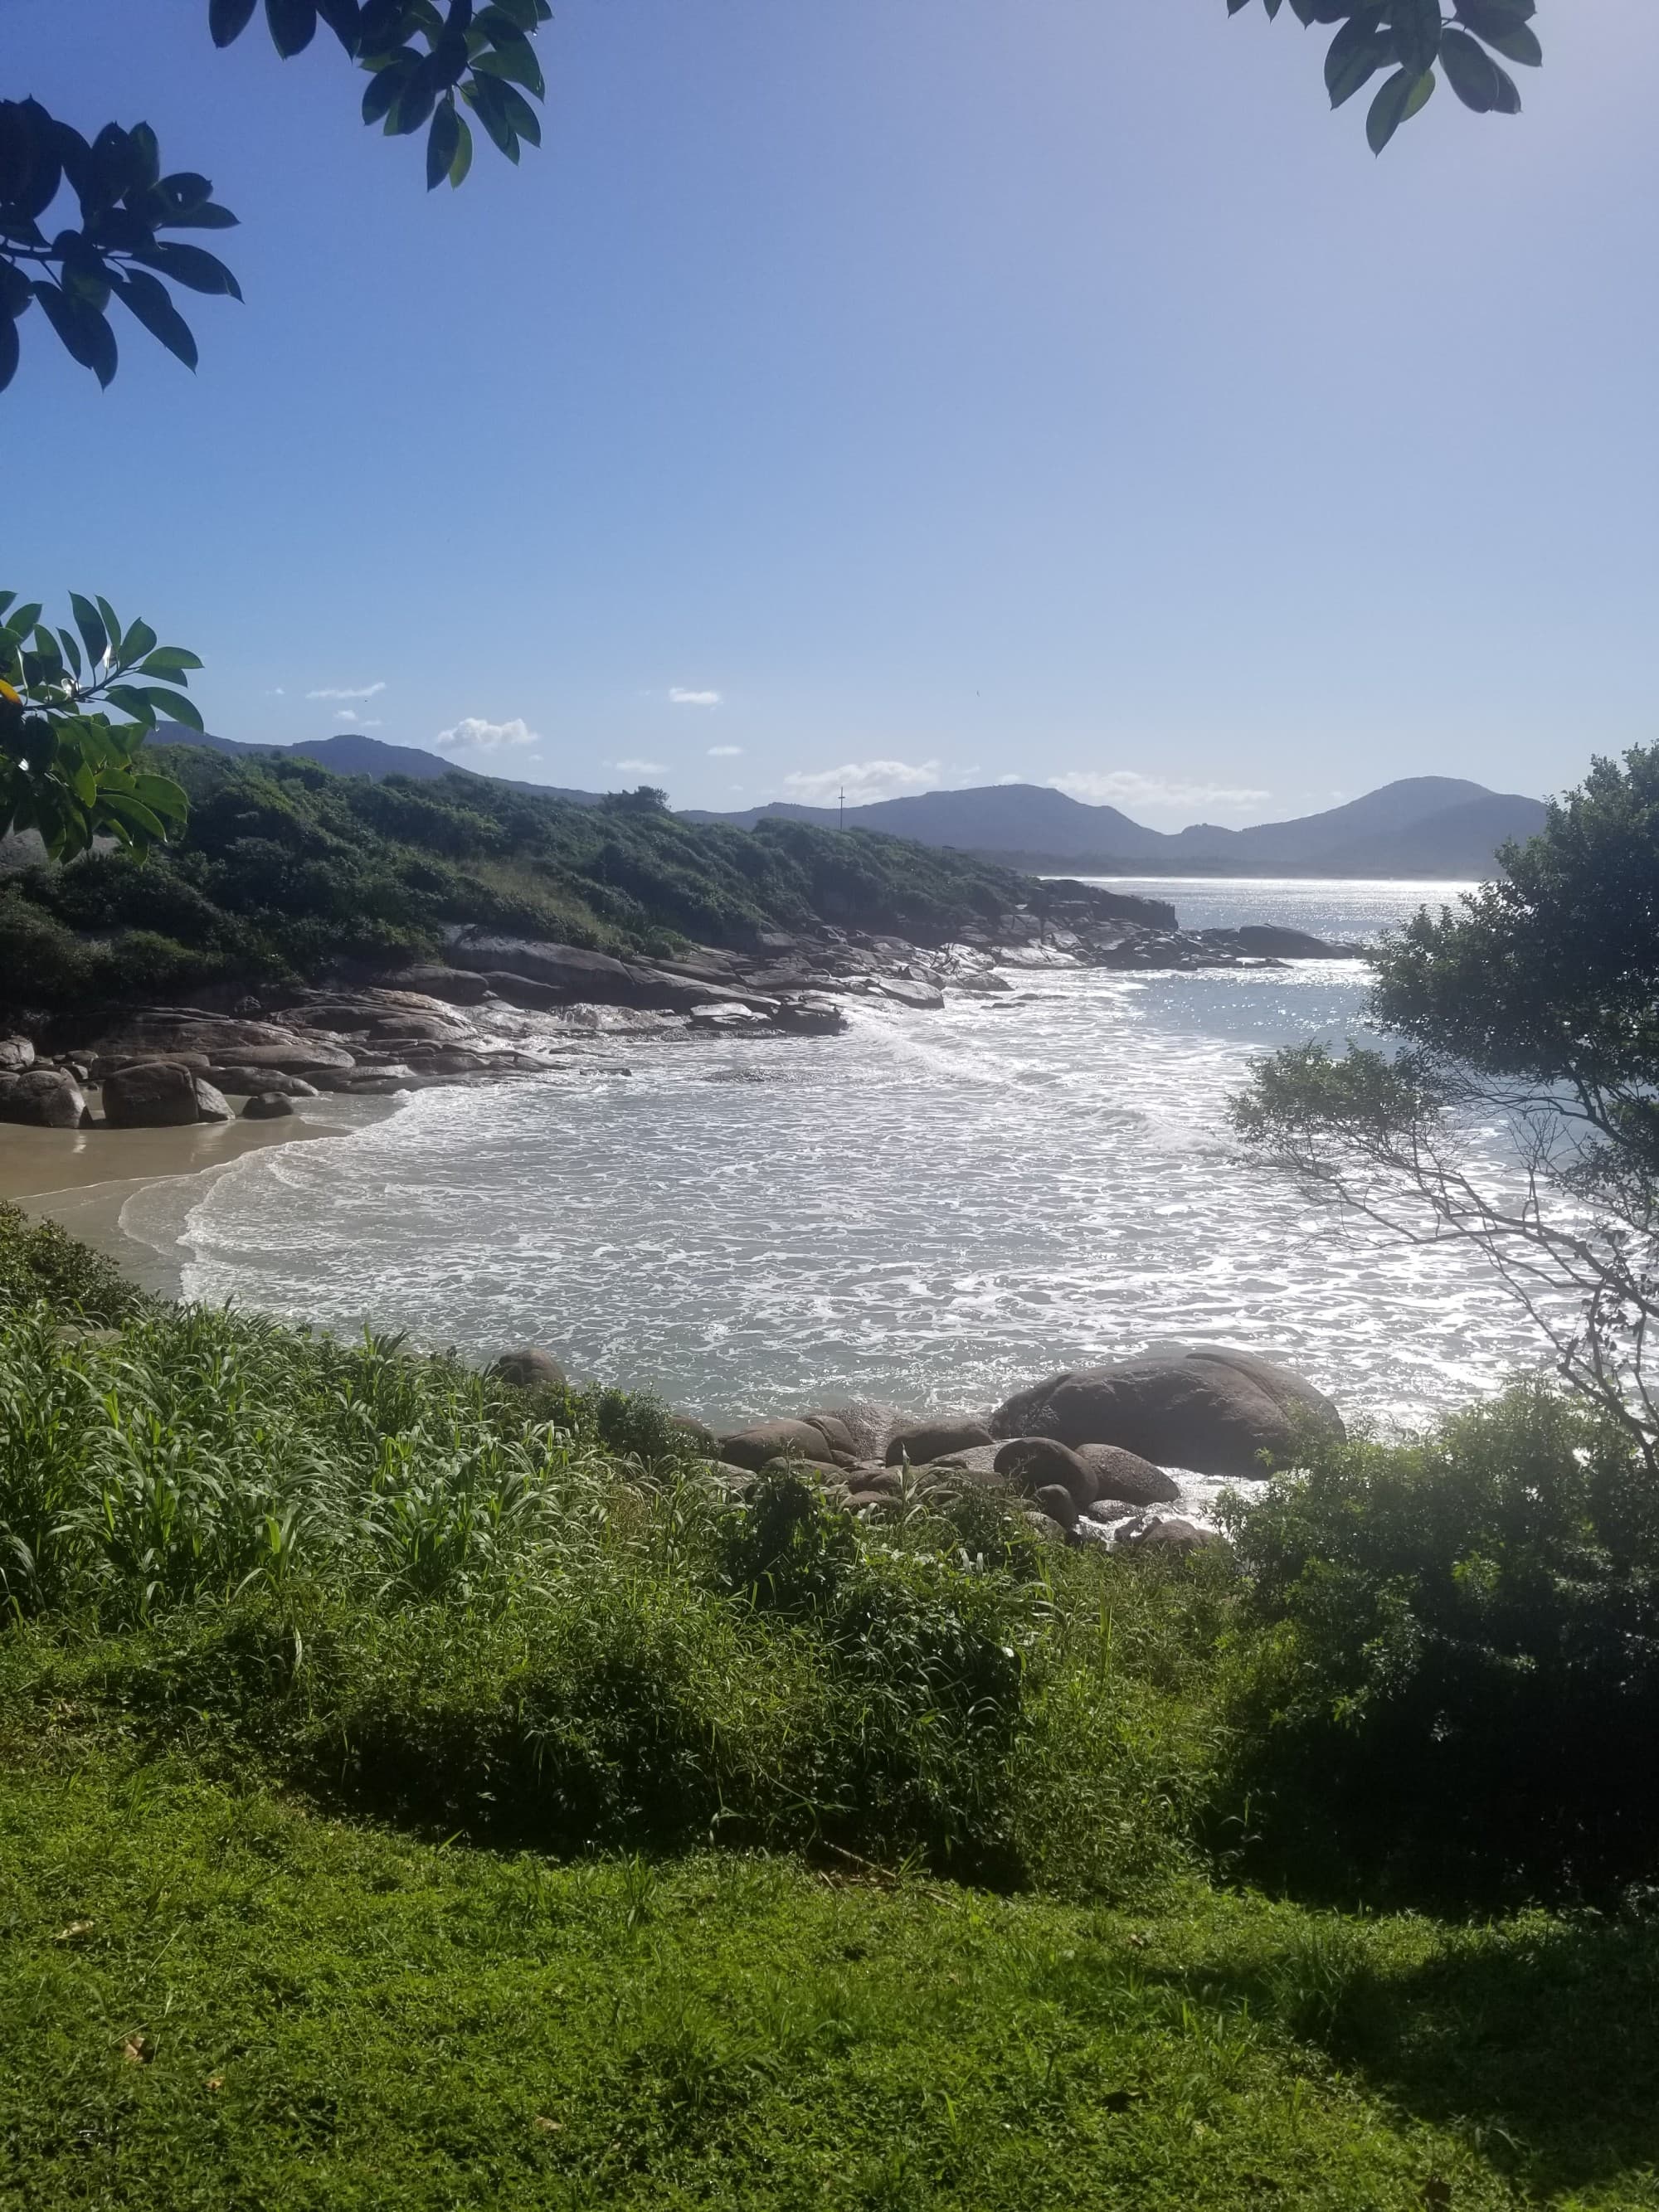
[(167, 1067), (1086, 1452), (440, 1023)]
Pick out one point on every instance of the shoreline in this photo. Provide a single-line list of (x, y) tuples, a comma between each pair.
[(69, 1175)]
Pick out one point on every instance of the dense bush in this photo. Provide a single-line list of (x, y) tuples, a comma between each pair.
[(39, 1261), (1447, 1671)]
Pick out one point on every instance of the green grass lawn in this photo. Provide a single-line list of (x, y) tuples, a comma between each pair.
[(219, 1998)]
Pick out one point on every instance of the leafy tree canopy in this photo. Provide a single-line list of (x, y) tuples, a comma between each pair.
[(1407, 39), (1534, 1008), (424, 63)]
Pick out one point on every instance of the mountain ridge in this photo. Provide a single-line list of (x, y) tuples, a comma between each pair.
[(1431, 826)]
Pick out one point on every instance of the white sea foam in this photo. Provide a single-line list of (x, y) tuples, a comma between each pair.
[(932, 1209)]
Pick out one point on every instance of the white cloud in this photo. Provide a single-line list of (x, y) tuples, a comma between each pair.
[(1010, 779), (864, 782), (348, 691), (681, 697), (641, 767), (1128, 787), (724, 752), (277, 694), (357, 721), (473, 734)]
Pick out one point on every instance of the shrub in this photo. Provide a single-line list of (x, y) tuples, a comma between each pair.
[(39, 1261), (1450, 1676)]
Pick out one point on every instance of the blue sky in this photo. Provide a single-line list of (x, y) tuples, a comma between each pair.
[(895, 394)]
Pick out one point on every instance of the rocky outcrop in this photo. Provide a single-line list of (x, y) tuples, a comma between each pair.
[(15, 1055), (160, 1094), (1035, 1463), (266, 1082), (1266, 941), (529, 1368), (921, 1442), (42, 1098), (757, 1447), (1126, 1478), (267, 1106), (1213, 1410)]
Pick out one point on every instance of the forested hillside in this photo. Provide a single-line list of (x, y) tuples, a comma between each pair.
[(287, 869)]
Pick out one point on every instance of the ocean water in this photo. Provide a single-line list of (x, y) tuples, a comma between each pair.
[(933, 1208)]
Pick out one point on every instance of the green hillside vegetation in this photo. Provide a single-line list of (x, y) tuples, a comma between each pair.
[(286, 867), (413, 1789)]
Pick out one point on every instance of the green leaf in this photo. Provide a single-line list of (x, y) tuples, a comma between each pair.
[(1520, 44), (169, 660), (146, 298), (16, 293), (293, 25), (343, 19), (85, 336), (463, 161), (442, 140), (1416, 41), (84, 784), (520, 16), (1402, 96), (1509, 93), (11, 350), (1470, 70), (228, 19), (487, 97), (106, 615), (514, 60), (162, 795), (90, 624), (1359, 49), (521, 117), (189, 265), (71, 652), (175, 706), (139, 640), (123, 808), (1500, 16), (131, 700), (388, 81)]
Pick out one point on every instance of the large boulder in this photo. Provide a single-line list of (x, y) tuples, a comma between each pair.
[(15, 1055), (458, 986), (43, 1097), (922, 1441), (1126, 1477), (868, 1423), (906, 991), (160, 1094), (835, 1433), (1021, 1414), (267, 1082), (759, 1446), (1035, 1463), (1211, 1409), (529, 1368), (267, 1106)]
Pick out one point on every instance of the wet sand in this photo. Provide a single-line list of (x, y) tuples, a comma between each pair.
[(84, 1178)]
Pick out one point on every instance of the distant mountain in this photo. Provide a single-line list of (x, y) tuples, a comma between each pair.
[(353, 754), (1425, 825), (1005, 817)]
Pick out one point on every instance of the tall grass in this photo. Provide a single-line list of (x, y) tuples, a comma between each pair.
[(411, 1586)]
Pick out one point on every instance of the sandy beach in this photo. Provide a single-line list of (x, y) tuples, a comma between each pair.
[(84, 1178)]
